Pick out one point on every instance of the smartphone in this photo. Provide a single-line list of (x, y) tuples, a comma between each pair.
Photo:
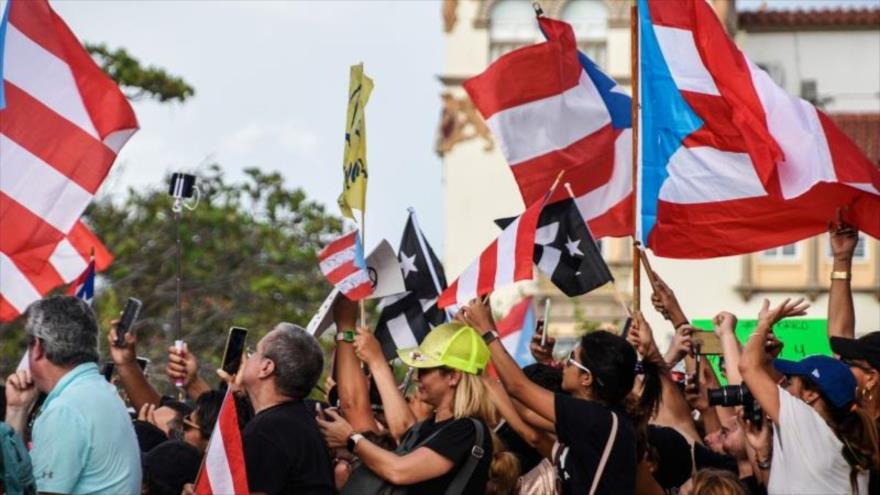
[(709, 343), (142, 363), (129, 316), (234, 350), (628, 323)]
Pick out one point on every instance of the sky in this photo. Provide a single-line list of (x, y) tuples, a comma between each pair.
[(271, 80)]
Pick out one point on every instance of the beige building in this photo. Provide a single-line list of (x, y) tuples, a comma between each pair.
[(831, 57)]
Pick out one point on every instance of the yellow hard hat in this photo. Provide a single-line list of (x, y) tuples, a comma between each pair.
[(454, 345)]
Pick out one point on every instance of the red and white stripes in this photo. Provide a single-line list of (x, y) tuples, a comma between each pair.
[(766, 168), (342, 262), (224, 471), (62, 124), (506, 260), (547, 115)]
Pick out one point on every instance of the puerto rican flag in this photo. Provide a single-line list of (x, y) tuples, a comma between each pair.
[(62, 123), (550, 108), (84, 285), (516, 331), (342, 262), (731, 163), (506, 260), (223, 471)]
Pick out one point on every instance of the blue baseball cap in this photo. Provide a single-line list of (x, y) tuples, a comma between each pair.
[(833, 377)]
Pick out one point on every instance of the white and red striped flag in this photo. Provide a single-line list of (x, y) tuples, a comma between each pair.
[(62, 123), (342, 262), (507, 260), (550, 108), (223, 471)]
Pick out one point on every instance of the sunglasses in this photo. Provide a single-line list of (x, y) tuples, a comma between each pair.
[(572, 360)]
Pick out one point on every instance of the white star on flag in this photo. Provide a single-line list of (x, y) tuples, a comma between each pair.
[(573, 247), (408, 263)]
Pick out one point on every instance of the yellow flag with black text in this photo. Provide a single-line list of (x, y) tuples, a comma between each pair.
[(354, 165)]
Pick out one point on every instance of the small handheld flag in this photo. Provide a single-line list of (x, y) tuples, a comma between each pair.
[(83, 286), (342, 262), (224, 470), (354, 164)]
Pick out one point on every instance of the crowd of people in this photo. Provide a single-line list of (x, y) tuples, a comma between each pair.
[(611, 418)]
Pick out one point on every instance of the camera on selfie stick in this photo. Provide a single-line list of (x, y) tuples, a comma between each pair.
[(181, 187)]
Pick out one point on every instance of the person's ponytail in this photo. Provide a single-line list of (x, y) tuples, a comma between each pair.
[(504, 470)]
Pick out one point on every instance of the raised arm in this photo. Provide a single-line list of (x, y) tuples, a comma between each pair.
[(351, 382), (673, 410), (756, 364), (397, 412), (725, 328), (537, 398), (841, 313), (183, 366), (131, 376), (536, 438)]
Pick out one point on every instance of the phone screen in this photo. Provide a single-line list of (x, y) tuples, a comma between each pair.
[(626, 325), (234, 350)]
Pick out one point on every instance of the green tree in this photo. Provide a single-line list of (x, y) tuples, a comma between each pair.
[(138, 81), (249, 259)]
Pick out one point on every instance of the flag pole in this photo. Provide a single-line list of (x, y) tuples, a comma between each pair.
[(634, 73), (363, 306)]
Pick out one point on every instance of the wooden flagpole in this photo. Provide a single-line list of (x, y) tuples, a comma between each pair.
[(634, 78)]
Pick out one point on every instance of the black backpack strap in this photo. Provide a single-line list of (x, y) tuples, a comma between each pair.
[(407, 442), (467, 470)]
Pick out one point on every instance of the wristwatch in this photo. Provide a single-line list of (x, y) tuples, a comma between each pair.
[(841, 275), (353, 441), (489, 336), (345, 336)]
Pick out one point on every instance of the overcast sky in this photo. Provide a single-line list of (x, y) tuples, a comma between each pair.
[(271, 80)]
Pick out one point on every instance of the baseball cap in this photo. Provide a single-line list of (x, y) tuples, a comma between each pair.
[(866, 347), (834, 378), (454, 345)]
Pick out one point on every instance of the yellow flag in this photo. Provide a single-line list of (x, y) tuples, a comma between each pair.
[(354, 164)]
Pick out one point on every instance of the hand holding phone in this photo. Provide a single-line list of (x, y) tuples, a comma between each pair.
[(234, 350), (129, 317)]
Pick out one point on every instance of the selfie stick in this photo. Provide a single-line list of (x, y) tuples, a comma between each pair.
[(546, 322)]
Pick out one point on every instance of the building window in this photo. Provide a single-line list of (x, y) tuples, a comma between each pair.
[(512, 24), (589, 18), (859, 254), (788, 252)]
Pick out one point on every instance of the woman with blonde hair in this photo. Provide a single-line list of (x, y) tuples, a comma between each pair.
[(450, 452)]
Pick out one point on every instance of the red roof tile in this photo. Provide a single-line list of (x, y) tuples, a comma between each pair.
[(839, 18)]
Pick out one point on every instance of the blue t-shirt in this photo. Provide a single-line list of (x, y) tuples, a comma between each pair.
[(83, 439)]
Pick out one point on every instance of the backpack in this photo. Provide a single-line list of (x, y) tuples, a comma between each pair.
[(16, 472), (365, 482)]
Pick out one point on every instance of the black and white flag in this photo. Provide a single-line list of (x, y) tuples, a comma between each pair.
[(566, 251), (415, 312), (402, 324)]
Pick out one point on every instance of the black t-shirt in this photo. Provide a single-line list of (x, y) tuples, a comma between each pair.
[(583, 427), (284, 452), (455, 443)]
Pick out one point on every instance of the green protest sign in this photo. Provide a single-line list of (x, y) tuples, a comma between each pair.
[(800, 338)]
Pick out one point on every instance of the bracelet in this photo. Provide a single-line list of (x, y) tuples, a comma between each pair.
[(764, 464), (345, 336), (841, 275)]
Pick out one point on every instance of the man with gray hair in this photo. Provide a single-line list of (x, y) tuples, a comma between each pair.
[(283, 447), (83, 439)]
